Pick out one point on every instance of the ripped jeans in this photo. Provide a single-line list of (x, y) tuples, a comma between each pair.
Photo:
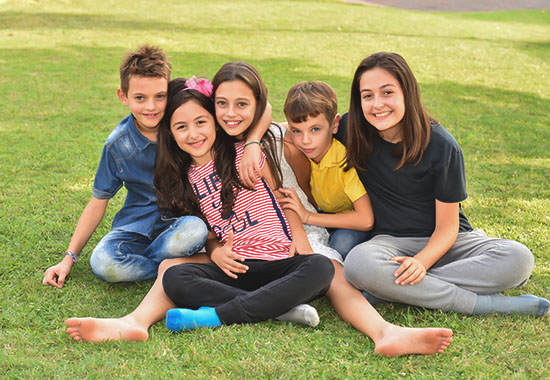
[(123, 256)]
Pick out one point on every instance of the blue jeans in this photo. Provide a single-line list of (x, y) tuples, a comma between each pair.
[(343, 240), (123, 256)]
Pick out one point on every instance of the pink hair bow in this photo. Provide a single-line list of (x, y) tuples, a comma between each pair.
[(202, 85)]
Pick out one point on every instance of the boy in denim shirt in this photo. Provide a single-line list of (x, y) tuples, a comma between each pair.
[(140, 239)]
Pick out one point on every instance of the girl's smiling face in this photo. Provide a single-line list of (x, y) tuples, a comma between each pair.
[(194, 130), (235, 107), (382, 102)]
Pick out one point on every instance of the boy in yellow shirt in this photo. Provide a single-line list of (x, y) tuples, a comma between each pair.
[(344, 205)]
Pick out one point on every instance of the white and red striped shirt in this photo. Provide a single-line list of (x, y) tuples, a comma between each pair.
[(260, 228)]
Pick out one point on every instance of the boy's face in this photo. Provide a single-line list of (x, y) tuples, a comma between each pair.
[(314, 136), (146, 99)]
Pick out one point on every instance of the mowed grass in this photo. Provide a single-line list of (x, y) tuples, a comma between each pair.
[(485, 76)]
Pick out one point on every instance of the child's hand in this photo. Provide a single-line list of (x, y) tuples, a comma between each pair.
[(292, 202), (300, 247), (55, 275), (249, 168), (224, 258), (411, 270)]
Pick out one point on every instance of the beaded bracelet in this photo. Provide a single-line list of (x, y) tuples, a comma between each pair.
[(73, 256)]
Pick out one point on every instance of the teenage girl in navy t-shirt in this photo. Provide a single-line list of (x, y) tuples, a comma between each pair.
[(424, 251)]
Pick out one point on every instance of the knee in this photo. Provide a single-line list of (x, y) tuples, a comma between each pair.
[(525, 257), (103, 264), (353, 271), (193, 226), (345, 240), (164, 265), (188, 235), (325, 267), (360, 267), (340, 244), (172, 282), (320, 267), (522, 260), (353, 275)]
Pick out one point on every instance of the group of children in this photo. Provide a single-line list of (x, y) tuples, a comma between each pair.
[(353, 208)]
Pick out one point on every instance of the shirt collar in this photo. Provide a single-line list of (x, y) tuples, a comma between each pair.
[(141, 141), (334, 156)]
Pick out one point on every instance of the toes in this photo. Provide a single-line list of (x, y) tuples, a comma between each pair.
[(71, 329), (76, 336), (73, 322)]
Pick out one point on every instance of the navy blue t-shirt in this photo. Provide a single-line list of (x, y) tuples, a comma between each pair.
[(403, 201)]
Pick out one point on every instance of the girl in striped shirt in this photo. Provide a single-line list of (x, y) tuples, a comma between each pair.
[(252, 276)]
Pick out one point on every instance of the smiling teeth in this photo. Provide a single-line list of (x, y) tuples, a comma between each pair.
[(232, 122), (382, 114)]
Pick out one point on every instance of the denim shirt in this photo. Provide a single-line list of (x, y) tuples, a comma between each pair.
[(128, 159)]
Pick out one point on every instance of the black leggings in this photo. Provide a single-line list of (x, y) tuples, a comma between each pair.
[(267, 290)]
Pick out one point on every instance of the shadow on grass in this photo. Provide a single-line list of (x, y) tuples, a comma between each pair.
[(504, 136), (537, 49), (492, 120), (28, 21)]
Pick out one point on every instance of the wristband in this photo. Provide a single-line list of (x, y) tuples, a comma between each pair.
[(307, 218), (253, 142), (73, 256)]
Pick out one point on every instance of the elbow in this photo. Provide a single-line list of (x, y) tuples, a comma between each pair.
[(368, 225), (364, 226)]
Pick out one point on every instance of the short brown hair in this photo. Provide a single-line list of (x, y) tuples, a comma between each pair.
[(146, 61), (310, 99)]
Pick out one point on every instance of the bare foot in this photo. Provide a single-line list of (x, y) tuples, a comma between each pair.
[(398, 340), (100, 330)]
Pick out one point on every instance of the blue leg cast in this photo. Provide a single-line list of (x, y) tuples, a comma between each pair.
[(186, 319)]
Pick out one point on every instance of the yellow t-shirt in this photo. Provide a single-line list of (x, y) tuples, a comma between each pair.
[(333, 189)]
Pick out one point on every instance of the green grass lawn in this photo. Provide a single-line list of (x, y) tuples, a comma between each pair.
[(484, 75)]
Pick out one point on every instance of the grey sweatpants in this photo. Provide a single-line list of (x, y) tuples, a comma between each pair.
[(475, 264)]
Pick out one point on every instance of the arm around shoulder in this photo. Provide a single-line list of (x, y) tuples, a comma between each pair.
[(249, 166)]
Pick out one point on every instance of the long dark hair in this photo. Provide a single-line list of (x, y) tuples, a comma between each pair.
[(415, 126), (246, 73), (174, 192)]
